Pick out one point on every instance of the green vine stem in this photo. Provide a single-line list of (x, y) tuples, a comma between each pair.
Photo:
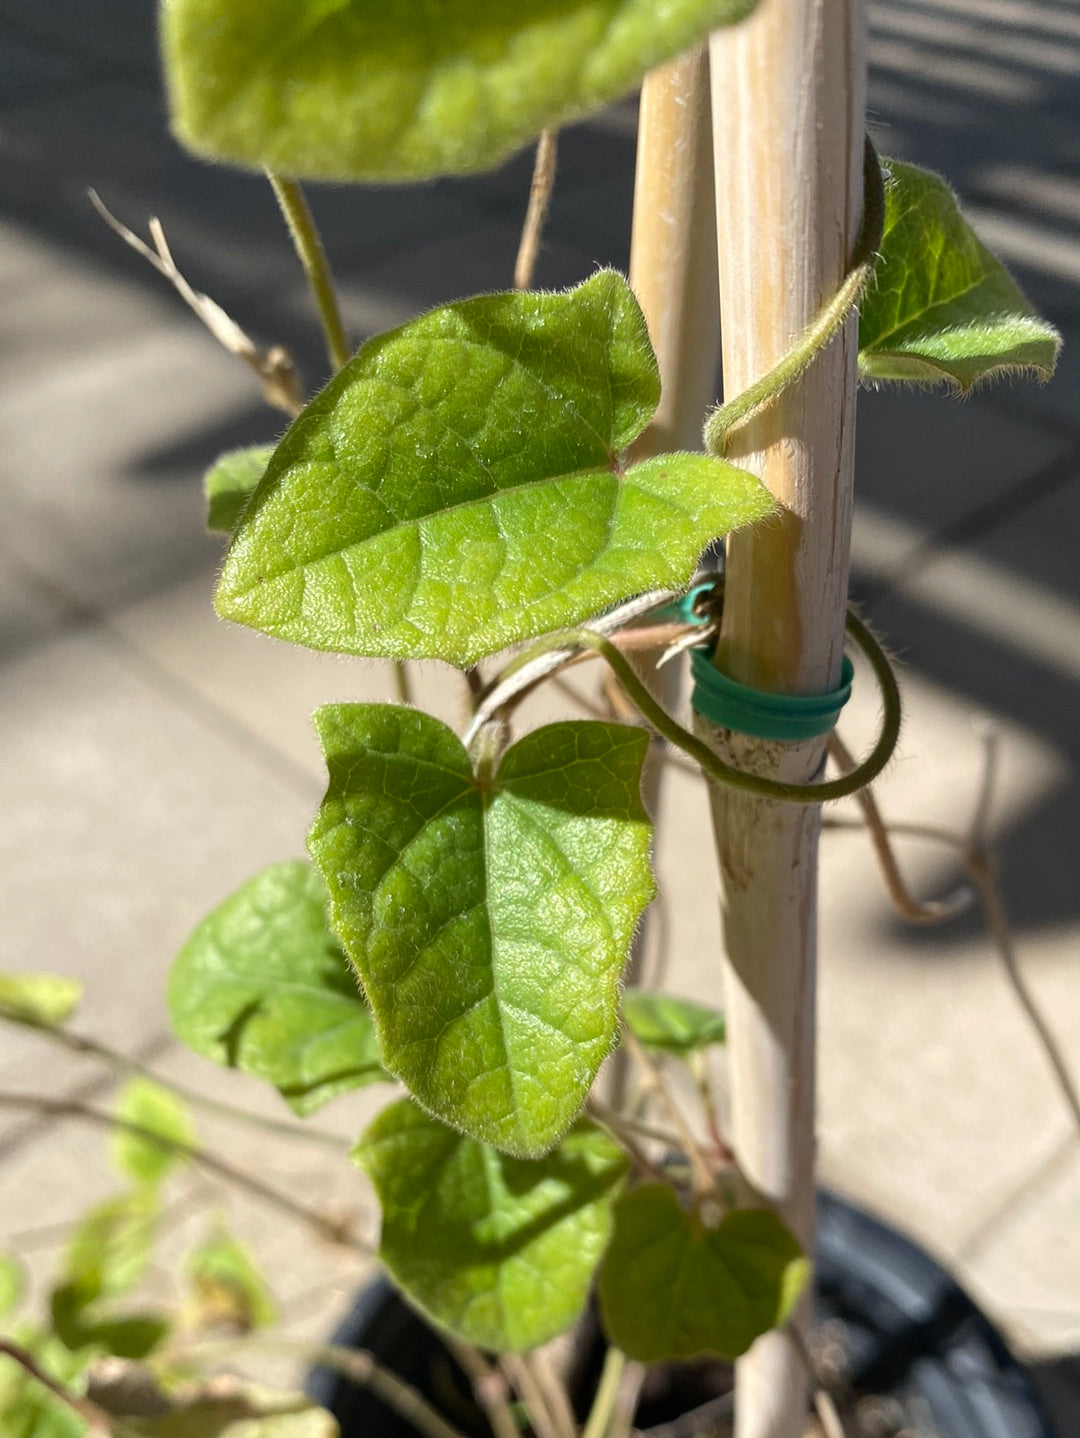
[(822, 329), (309, 248), (312, 255), (715, 767), (607, 1391)]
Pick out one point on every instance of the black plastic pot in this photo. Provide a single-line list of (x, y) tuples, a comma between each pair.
[(909, 1333)]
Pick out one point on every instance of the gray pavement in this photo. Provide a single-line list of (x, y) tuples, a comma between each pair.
[(151, 758)]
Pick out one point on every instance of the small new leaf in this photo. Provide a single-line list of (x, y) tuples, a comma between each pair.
[(229, 484), (457, 486), (41, 1001), (499, 1250), (672, 1288), (402, 90), (669, 1024), (148, 1106), (941, 307), (262, 985), (489, 918)]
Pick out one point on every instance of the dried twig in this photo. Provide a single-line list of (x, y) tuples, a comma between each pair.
[(915, 911), (274, 367), (331, 1230), (121, 1064), (543, 182), (653, 1082), (490, 1387)]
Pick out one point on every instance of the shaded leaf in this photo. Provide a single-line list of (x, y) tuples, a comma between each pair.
[(672, 1025), (230, 482), (43, 1001), (108, 1254), (672, 1288), (941, 307), (397, 89), (489, 919), (457, 486), (227, 1289), (149, 1106), (499, 1250), (110, 1249), (262, 985)]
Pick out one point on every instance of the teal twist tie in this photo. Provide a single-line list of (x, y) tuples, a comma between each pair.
[(765, 716)]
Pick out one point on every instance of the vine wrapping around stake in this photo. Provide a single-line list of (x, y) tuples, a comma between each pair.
[(825, 326), (564, 643)]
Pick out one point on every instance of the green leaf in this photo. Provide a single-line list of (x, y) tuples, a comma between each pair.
[(941, 307), (107, 1256), (457, 486), (669, 1024), (399, 89), (149, 1106), (42, 1001), (227, 1289), (262, 986), (230, 483), (12, 1285), (499, 1250), (672, 1288), (110, 1249), (489, 919)]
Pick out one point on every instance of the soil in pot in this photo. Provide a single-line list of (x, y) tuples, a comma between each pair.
[(904, 1350)]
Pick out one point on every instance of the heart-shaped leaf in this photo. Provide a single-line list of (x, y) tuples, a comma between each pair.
[(489, 918), (670, 1024), (230, 482), (941, 307), (457, 487), (672, 1288), (262, 985), (499, 1250), (401, 89)]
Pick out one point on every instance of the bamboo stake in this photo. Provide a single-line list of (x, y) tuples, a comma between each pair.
[(673, 275), (788, 91)]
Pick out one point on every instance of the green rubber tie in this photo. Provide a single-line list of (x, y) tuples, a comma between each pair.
[(790, 717)]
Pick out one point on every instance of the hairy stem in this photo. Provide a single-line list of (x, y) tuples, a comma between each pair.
[(822, 330), (715, 767), (312, 255)]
